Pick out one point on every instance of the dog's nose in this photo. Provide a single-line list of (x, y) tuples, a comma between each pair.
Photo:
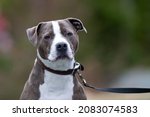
[(61, 47)]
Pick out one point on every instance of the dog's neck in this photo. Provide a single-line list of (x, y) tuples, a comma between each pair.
[(57, 65)]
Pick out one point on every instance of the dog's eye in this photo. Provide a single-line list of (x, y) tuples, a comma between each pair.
[(69, 34), (47, 37)]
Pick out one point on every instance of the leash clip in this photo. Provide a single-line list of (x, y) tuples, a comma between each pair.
[(81, 77)]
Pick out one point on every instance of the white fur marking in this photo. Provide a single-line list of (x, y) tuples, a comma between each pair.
[(56, 87), (58, 39)]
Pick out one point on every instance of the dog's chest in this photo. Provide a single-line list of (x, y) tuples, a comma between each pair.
[(56, 87)]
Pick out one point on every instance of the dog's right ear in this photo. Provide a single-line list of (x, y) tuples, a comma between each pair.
[(77, 24), (33, 33)]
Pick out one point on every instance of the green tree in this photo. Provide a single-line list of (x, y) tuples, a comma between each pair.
[(122, 31)]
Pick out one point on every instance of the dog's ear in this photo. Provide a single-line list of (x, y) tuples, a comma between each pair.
[(77, 24), (33, 33)]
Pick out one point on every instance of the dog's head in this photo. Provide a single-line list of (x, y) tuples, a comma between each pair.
[(56, 39)]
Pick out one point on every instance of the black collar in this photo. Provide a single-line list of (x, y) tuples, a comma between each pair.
[(77, 66)]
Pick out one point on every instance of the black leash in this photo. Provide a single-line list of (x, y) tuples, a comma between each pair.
[(112, 90)]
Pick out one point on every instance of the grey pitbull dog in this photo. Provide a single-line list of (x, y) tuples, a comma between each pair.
[(56, 42)]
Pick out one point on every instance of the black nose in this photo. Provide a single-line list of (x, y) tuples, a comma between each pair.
[(61, 47)]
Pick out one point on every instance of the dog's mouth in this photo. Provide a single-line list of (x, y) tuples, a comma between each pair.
[(61, 57)]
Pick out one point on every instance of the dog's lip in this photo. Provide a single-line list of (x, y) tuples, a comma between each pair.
[(63, 57), (60, 58)]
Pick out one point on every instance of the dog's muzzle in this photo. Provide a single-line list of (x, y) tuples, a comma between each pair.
[(62, 49)]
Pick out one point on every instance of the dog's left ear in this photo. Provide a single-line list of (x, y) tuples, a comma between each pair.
[(77, 24), (33, 33)]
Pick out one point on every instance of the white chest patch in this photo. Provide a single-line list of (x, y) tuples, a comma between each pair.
[(56, 87)]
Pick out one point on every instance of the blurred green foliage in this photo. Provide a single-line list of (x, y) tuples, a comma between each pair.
[(122, 30), (5, 64), (6, 4)]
